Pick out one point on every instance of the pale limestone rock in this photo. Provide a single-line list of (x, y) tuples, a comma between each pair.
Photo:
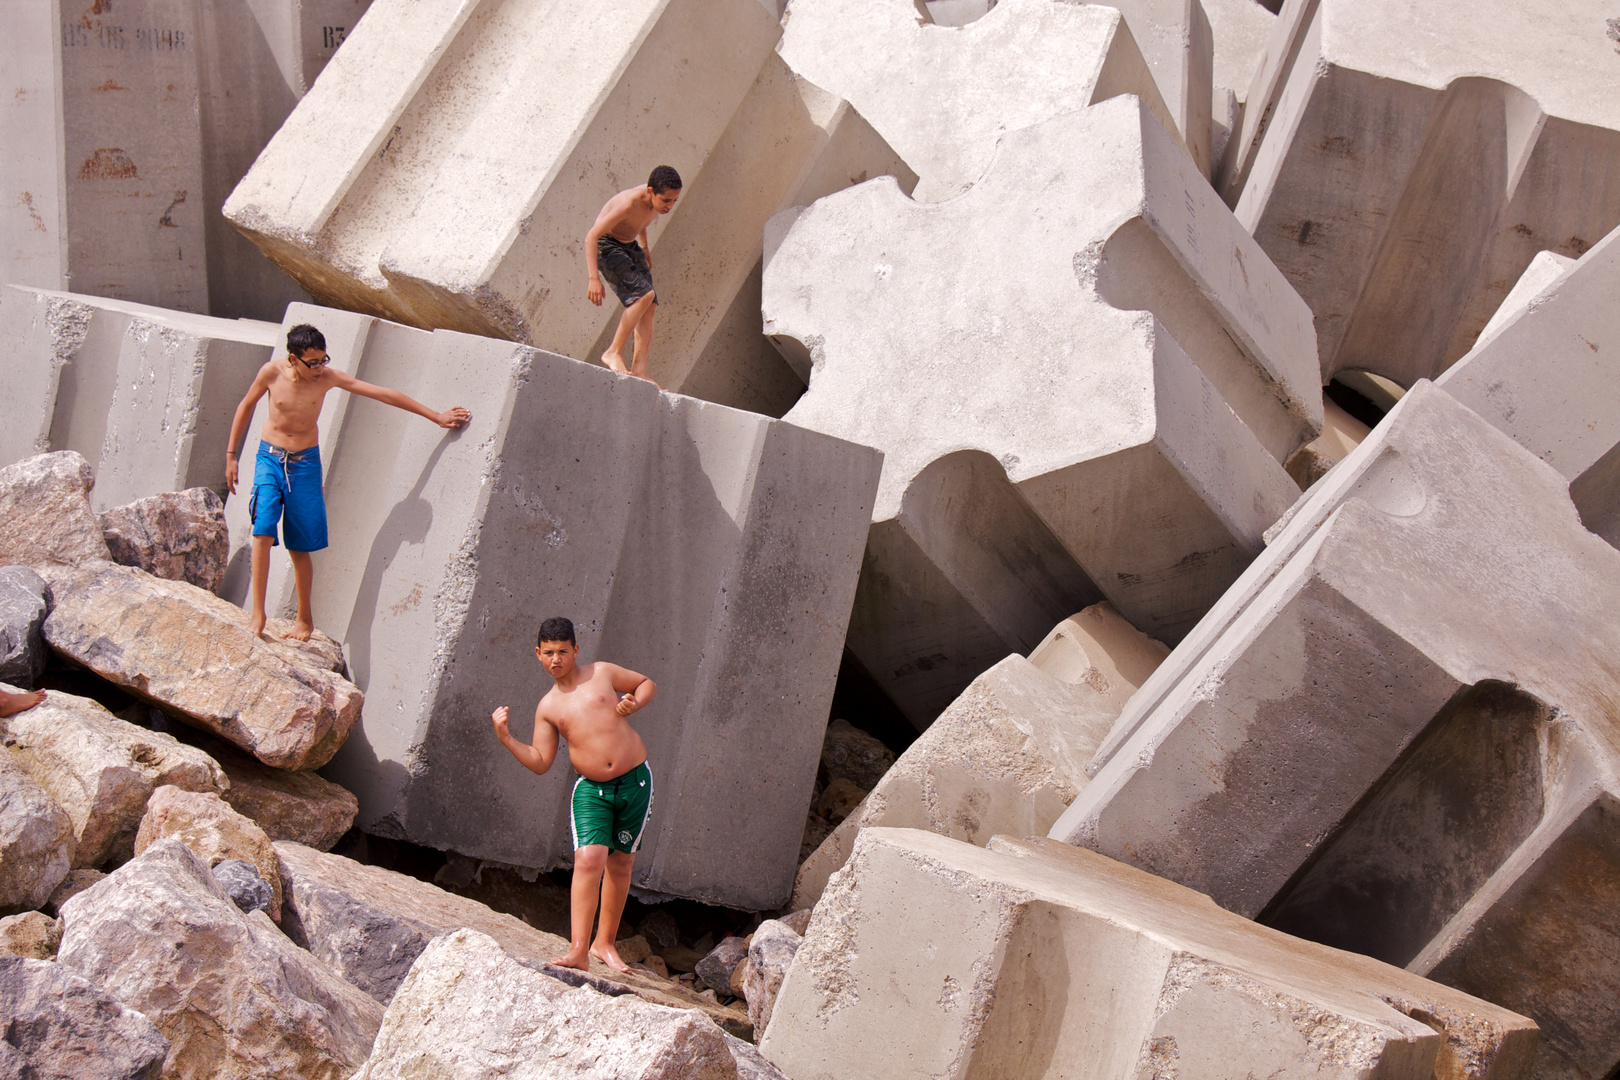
[(23, 603), (215, 832), (302, 807), (45, 514), (178, 535), (36, 837), (75, 883), (235, 998), (469, 1011), (192, 653), (101, 770), (32, 934), (1154, 371), (933, 958), (770, 953), (60, 1027)]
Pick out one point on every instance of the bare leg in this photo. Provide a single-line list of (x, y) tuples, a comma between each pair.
[(615, 889), (589, 862), (304, 580), (261, 581), (16, 703), (644, 332), (614, 357)]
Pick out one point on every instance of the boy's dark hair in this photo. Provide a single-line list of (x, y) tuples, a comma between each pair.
[(556, 628), (304, 337), (664, 178)]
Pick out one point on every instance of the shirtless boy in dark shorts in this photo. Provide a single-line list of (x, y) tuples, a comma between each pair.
[(616, 247), (613, 795)]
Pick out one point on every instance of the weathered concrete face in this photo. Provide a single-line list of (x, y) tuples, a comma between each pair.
[(145, 393), (711, 549), (1114, 407), (942, 96), (1367, 652), (789, 144), (33, 239), (1542, 377), (393, 187), (933, 958), (1389, 143)]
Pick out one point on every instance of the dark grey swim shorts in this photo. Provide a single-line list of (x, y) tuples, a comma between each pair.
[(624, 266)]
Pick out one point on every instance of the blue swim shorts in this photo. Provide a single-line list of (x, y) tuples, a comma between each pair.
[(287, 488)]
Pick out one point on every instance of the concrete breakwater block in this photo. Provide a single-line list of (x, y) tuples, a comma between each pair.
[(1395, 734), (1385, 143), (1097, 413), (929, 957)]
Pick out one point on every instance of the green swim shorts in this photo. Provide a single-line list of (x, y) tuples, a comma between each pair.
[(612, 812)]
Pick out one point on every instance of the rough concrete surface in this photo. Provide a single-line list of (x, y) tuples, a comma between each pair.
[(445, 168), (934, 958), (1386, 143), (1361, 745), (1152, 371)]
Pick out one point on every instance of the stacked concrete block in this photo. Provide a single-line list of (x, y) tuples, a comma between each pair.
[(943, 95), (1544, 375), (446, 167), (1395, 732), (1084, 376), (709, 343), (933, 958), (1239, 30), (135, 123), (1387, 144), (146, 394), (712, 549)]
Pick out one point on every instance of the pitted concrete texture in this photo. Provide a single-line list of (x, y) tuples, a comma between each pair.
[(1387, 143), (144, 393), (789, 144), (1395, 733), (133, 123), (445, 168), (933, 958), (711, 549), (943, 95), (1546, 377), (1084, 376)]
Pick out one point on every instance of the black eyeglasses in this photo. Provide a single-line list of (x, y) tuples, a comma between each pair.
[(316, 364)]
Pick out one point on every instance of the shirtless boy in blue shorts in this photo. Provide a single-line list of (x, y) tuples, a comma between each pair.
[(613, 795), (287, 471), (616, 248)]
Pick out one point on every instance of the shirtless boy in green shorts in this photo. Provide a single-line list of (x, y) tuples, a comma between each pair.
[(613, 795)]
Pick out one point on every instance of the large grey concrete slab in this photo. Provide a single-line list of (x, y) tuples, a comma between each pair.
[(943, 95), (1545, 376), (145, 393), (1386, 143), (1395, 732), (789, 144), (1102, 414), (933, 958), (445, 168), (33, 227), (712, 549)]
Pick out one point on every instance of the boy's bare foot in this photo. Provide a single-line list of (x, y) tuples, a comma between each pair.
[(610, 956), (300, 631), (614, 361), (16, 703), (574, 958), (256, 623)]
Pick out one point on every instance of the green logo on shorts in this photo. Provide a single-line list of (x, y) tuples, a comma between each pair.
[(625, 837)]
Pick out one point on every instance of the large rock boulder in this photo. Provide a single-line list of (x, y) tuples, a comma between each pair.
[(715, 969), (208, 825), (299, 806), (36, 837), (45, 514), (235, 998), (101, 770), (192, 653), (178, 535), (60, 1027), (468, 1011), (23, 604), (32, 934), (770, 954)]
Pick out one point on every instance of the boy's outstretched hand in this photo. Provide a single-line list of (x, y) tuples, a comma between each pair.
[(454, 418)]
